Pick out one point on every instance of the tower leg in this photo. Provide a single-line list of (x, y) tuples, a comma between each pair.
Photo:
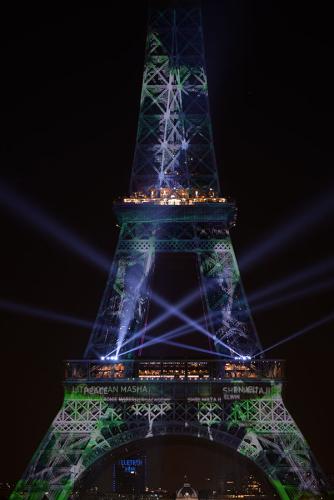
[(90, 425), (229, 317), (273, 441), (124, 305)]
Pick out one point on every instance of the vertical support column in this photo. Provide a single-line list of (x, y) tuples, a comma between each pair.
[(124, 304), (228, 314), (274, 442)]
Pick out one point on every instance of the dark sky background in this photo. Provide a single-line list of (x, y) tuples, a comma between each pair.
[(71, 81)]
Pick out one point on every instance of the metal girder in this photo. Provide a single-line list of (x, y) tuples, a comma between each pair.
[(174, 145), (229, 316), (124, 304), (177, 246), (86, 428), (126, 297)]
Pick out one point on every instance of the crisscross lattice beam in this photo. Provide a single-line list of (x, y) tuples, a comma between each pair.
[(174, 145)]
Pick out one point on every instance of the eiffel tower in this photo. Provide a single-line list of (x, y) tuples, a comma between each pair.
[(113, 397)]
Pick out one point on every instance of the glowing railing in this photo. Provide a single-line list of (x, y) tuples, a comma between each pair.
[(174, 200), (174, 370), (168, 196)]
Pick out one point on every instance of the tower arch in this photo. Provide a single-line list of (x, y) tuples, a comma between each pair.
[(91, 426)]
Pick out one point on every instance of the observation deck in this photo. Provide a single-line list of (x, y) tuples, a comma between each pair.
[(179, 370), (176, 205), (192, 380)]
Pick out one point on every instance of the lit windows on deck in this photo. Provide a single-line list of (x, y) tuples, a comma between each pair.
[(174, 370)]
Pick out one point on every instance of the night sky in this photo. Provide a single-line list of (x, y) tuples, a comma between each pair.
[(71, 82)]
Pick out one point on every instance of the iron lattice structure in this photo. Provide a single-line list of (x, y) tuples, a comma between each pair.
[(92, 424), (148, 229), (174, 141), (175, 206)]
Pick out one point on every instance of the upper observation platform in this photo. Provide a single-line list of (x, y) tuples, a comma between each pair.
[(178, 205)]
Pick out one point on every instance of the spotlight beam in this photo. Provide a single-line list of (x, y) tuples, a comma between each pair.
[(34, 216), (299, 277), (177, 344), (49, 315), (293, 296), (312, 326), (45, 314), (297, 224), (192, 323), (159, 340), (25, 210), (291, 280), (177, 332), (160, 319), (194, 348)]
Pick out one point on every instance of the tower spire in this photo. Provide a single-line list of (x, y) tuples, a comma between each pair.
[(174, 147)]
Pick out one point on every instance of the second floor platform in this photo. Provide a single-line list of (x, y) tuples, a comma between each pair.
[(186, 370)]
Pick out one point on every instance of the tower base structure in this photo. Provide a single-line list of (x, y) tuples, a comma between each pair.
[(236, 403)]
